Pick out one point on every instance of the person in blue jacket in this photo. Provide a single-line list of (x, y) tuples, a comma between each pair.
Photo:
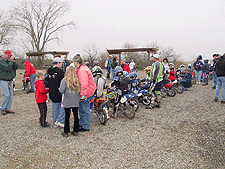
[(198, 69), (186, 80)]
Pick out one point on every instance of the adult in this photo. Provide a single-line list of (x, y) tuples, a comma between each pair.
[(87, 90), (113, 66), (156, 76), (8, 68), (198, 69), (220, 73), (166, 65), (186, 80), (54, 77), (132, 66), (215, 59), (108, 66), (30, 72)]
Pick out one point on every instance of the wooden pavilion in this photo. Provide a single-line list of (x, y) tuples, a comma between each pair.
[(41, 55), (119, 51)]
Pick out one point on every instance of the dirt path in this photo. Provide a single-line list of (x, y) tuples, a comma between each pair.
[(186, 132)]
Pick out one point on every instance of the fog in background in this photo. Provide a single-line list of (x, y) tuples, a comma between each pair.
[(190, 27)]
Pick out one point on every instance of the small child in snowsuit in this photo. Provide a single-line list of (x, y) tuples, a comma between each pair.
[(205, 72), (41, 97)]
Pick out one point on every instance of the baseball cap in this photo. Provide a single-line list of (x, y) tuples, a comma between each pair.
[(56, 60), (156, 56), (8, 52)]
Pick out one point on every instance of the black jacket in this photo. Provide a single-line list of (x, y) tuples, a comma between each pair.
[(54, 77), (220, 67)]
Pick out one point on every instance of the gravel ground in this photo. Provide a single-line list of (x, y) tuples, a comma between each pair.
[(186, 132)]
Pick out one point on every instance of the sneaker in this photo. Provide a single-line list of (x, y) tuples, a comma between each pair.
[(59, 124), (214, 87), (3, 112), (74, 133), (222, 101), (10, 112), (215, 100), (83, 130), (64, 134)]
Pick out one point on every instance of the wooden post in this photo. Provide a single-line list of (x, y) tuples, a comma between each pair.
[(120, 58)]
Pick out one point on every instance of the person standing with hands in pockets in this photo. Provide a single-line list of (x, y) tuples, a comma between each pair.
[(87, 90), (8, 68)]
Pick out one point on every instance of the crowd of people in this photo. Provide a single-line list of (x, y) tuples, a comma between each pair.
[(73, 86)]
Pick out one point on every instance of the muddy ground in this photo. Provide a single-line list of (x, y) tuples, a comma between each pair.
[(188, 131)]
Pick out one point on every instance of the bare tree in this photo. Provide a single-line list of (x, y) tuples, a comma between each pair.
[(91, 53), (39, 21), (5, 30), (153, 45), (170, 54)]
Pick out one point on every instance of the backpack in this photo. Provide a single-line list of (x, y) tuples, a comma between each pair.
[(100, 85), (106, 63), (123, 83)]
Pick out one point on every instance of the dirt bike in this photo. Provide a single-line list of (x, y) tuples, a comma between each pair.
[(168, 90), (177, 86), (126, 103), (25, 83), (98, 106)]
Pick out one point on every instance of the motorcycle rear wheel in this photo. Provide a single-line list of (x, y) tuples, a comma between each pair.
[(171, 92), (102, 116)]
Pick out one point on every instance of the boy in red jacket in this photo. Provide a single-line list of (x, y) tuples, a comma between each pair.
[(41, 97), (30, 72)]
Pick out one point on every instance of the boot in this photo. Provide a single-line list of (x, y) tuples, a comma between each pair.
[(152, 104), (158, 100)]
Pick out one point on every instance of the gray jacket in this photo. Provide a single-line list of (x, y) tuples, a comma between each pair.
[(70, 99)]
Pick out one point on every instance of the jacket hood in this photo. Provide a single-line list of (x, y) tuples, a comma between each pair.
[(199, 57), (52, 70), (206, 61), (37, 82)]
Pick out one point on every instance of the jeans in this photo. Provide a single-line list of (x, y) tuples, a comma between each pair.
[(32, 80), (214, 78), (198, 75), (58, 113), (85, 113), (112, 74), (7, 94), (108, 72), (220, 82)]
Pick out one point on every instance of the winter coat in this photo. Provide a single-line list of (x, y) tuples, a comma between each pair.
[(220, 67), (54, 77), (7, 69), (41, 91), (70, 99), (87, 84), (29, 68), (205, 67), (126, 68), (197, 65)]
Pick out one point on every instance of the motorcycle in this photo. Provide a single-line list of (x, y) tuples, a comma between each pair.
[(126, 103), (98, 106)]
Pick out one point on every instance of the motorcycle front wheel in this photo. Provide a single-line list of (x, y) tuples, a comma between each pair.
[(128, 110), (102, 116), (171, 92)]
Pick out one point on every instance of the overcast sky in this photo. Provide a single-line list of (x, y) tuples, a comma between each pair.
[(191, 27)]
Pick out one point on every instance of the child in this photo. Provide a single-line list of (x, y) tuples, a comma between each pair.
[(205, 71), (100, 82), (70, 87), (41, 97)]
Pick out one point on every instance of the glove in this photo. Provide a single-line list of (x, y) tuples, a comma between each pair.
[(83, 98), (153, 81)]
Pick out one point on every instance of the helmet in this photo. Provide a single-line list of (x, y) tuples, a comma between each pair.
[(87, 64), (97, 70), (126, 74), (147, 69), (133, 75), (189, 65), (118, 71), (96, 63), (181, 66)]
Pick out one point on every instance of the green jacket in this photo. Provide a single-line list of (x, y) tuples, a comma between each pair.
[(157, 71), (7, 69)]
